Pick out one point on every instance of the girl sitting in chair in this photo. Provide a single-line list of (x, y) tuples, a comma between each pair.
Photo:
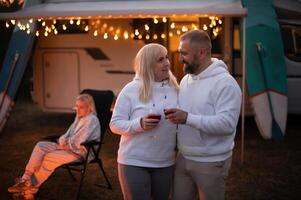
[(47, 156)]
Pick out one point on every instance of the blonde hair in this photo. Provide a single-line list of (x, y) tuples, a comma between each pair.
[(88, 99), (144, 67)]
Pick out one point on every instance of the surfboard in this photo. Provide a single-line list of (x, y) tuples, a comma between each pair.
[(265, 69), (14, 65)]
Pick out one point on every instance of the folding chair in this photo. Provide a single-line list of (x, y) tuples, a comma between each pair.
[(103, 101)]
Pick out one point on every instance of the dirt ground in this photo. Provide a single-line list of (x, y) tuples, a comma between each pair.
[(272, 170)]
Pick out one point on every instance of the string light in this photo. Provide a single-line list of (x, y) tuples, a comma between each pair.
[(98, 27)]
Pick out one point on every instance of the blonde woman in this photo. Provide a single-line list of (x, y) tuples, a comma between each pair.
[(47, 156), (146, 152)]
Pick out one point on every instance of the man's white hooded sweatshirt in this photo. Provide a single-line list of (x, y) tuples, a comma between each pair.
[(212, 100), (138, 147)]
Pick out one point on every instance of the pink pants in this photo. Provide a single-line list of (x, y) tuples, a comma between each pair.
[(44, 159)]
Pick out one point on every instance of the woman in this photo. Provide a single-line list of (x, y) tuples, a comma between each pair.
[(47, 156), (147, 146)]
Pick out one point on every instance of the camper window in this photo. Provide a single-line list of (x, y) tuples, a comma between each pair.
[(291, 36)]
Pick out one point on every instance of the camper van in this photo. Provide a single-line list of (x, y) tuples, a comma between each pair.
[(289, 16), (91, 45)]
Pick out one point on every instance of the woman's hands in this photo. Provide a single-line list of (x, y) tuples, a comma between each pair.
[(150, 121)]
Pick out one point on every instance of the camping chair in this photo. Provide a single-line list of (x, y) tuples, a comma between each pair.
[(103, 101)]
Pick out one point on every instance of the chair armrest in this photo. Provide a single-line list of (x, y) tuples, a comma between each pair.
[(51, 138), (91, 143)]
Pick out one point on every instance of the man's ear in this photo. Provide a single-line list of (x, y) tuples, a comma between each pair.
[(203, 53)]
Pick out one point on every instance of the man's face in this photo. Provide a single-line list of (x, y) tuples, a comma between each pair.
[(188, 57)]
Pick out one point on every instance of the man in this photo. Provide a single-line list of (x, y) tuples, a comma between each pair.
[(209, 101)]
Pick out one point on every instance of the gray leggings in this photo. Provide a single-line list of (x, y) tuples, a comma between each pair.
[(145, 183)]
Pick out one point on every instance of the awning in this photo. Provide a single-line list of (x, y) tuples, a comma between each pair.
[(128, 9)]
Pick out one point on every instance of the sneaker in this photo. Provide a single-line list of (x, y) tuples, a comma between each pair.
[(20, 186)]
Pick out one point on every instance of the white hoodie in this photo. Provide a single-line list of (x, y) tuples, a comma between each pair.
[(153, 148), (212, 100)]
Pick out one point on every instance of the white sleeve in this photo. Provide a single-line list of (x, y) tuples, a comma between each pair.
[(121, 123), (227, 107)]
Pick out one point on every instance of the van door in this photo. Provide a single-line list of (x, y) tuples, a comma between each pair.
[(291, 36), (60, 79)]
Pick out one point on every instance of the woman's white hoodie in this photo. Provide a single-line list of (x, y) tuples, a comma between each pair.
[(137, 147)]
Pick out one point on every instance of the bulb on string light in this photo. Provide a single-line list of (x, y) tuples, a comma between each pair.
[(95, 33), (31, 20), (55, 31), (46, 34), (86, 28), (43, 23), (147, 37), (115, 37), (37, 33), (126, 35), (156, 21), (105, 36), (155, 36), (7, 24), (71, 21), (13, 21), (78, 22), (172, 25), (170, 34), (64, 27), (164, 20), (28, 31), (184, 29), (146, 27), (163, 36), (136, 32)]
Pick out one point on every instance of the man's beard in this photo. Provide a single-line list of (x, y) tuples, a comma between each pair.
[(190, 68)]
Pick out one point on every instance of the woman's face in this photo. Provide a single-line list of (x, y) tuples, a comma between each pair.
[(82, 108), (162, 66)]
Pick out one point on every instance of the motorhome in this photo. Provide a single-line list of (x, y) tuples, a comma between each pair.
[(92, 44)]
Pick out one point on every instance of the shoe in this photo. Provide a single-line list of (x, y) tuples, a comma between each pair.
[(20, 186)]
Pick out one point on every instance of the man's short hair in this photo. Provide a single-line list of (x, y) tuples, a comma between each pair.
[(197, 39)]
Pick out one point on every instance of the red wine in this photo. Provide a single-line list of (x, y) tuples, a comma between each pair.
[(155, 116)]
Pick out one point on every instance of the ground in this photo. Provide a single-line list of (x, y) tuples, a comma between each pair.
[(271, 170)]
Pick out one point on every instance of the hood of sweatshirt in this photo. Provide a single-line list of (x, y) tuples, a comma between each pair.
[(217, 67)]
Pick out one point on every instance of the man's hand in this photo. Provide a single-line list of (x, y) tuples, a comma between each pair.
[(175, 115)]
